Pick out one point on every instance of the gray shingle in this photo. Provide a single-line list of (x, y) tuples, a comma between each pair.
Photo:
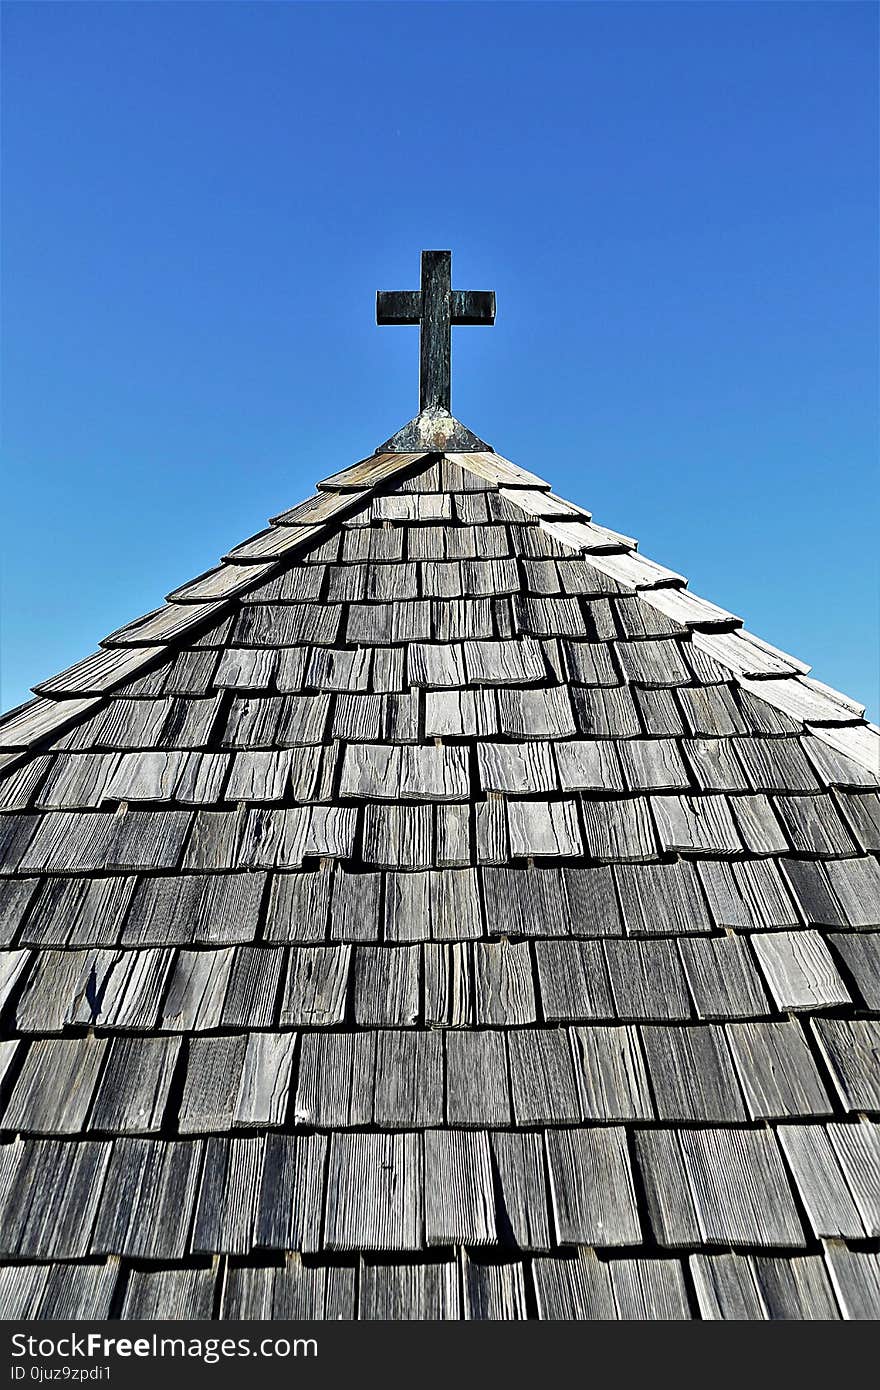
[(799, 971), (591, 1187), (542, 1078), (692, 1075), (776, 1070), (374, 1193), (850, 1048)]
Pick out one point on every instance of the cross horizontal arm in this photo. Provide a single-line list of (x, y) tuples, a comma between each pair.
[(473, 306), (398, 306)]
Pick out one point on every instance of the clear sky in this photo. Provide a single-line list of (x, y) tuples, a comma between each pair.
[(675, 203)]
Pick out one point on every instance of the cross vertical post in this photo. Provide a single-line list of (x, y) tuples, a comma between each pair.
[(435, 346), (436, 307)]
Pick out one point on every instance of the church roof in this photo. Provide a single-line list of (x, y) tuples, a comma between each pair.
[(437, 910)]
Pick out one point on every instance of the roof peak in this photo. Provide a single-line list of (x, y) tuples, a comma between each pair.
[(433, 430)]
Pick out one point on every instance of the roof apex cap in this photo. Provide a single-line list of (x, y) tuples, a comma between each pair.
[(434, 430)]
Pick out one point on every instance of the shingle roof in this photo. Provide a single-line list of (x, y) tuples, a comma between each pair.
[(436, 910)]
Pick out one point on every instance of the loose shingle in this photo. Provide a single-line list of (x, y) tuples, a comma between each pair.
[(591, 1187), (861, 956), (777, 1070), (850, 1048), (819, 1178), (722, 978), (799, 970), (459, 1199)]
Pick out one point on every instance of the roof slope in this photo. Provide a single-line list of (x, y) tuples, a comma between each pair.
[(436, 910)]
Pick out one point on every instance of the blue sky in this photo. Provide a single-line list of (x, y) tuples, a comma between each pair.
[(675, 204)]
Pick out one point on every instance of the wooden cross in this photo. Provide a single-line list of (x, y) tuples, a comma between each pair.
[(435, 307)]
